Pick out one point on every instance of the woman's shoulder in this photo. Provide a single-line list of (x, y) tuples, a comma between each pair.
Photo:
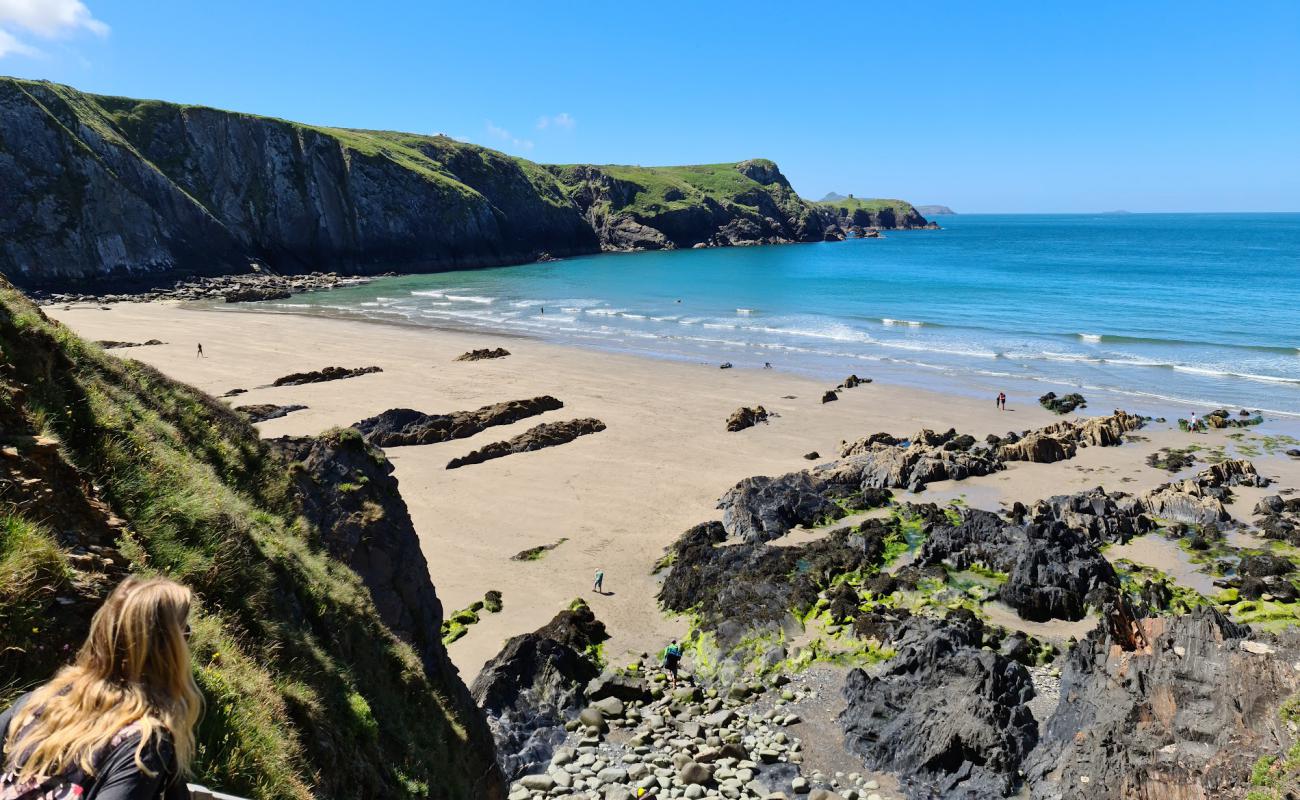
[(158, 754)]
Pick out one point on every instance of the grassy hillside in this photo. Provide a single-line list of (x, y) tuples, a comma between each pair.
[(655, 190), (308, 694), (873, 205)]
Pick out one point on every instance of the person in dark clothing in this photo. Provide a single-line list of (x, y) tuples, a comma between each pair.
[(117, 724)]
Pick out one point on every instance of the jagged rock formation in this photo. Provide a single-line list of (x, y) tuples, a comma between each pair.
[(1051, 569), (946, 716), (1199, 500), (880, 461), (109, 344), (266, 411), (1183, 707), (548, 434), (399, 427), (1061, 440), (115, 192), (323, 375), (483, 353), (535, 684), (746, 417), (761, 508), (737, 589)]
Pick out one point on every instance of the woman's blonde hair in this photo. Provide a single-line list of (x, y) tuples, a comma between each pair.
[(134, 669)]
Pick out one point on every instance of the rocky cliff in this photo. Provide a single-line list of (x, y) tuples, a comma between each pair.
[(112, 192), (315, 636), (851, 212)]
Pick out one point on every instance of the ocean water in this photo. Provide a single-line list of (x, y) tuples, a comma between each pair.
[(1159, 312)]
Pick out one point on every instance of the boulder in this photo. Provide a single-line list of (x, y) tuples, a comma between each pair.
[(762, 508), (744, 417), (534, 685), (1064, 404)]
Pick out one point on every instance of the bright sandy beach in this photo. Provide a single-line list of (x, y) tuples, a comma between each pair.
[(619, 496)]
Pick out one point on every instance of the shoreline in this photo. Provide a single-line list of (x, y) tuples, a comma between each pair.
[(620, 496), (968, 384)]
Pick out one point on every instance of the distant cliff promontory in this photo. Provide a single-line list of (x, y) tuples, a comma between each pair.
[(931, 211), (110, 191)]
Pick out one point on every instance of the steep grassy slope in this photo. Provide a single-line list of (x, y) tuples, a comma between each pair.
[(122, 191), (107, 466)]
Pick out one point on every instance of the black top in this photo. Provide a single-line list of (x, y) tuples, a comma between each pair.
[(117, 776)]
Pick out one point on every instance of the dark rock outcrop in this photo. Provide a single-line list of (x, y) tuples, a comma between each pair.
[(483, 353), (830, 396), (347, 490), (1172, 707), (399, 427), (535, 684), (948, 718), (746, 417), (110, 344), (1051, 569), (1064, 404), (253, 294), (548, 434), (761, 508), (265, 411), (323, 375), (742, 588), (927, 458)]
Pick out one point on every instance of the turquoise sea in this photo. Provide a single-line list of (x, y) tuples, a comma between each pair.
[(1160, 312)]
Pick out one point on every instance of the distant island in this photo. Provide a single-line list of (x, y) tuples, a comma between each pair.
[(930, 211)]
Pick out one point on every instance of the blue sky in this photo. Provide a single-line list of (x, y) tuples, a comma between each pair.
[(987, 107)]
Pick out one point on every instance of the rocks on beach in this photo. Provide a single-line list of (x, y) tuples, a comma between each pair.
[(483, 354), (746, 417), (267, 411), (248, 287), (324, 375), (548, 434), (110, 344), (399, 427), (1063, 404)]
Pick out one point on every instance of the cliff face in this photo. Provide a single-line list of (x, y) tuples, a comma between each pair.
[(118, 187), (654, 208), (106, 192), (849, 212), (315, 635)]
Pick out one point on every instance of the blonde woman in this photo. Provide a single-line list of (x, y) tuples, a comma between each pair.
[(118, 724)]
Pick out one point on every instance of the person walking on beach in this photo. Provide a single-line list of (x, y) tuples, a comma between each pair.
[(118, 723), (599, 586), (672, 659), (1191, 425), (200, 355), (1002, 401)]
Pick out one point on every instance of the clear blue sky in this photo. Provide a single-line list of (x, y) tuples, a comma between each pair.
[(1007, 106)]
